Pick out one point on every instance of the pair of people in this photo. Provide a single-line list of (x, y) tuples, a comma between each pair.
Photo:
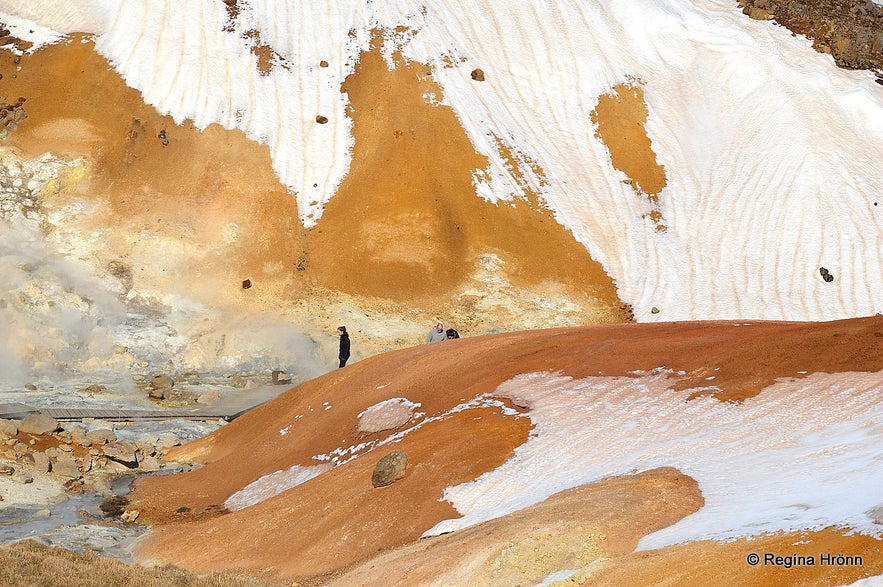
[(439, 333)]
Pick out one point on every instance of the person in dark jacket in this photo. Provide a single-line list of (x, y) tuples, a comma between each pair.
[(452, 333), (344, 354)]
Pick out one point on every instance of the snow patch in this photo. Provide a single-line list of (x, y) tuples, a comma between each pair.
[(803, 454), (273, 484), (387, 415)]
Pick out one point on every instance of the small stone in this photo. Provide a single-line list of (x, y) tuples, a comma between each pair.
[(162, 382), (7, 469), (477, 75), (167, 440), (130, 516), (150, 464), (654, 310), (208, 398), (22, 477), (389, 469), (93, 389), (321, 119)]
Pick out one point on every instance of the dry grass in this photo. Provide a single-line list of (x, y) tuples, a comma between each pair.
[(32, 564)]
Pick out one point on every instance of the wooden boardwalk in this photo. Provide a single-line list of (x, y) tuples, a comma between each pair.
[(227, 408)]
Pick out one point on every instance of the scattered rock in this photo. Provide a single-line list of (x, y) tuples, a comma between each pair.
[(93, 389), (99, 485), (101, 436), (162, 382), (114, 505), (321, 119), (149, 464), (280, 377), (130, 516), (654, 310), (144, 448), (758, 13), (208, 398), (122, 453), (246, 284), (167, 440), (323, 63), (8, 428), (41, 462), (826, 275), (22, 477), (38, 424), (67, 469), (389, 469), (7, 469), (79, 435), (477, 75)]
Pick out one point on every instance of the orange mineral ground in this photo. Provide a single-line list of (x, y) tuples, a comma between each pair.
[(336, 528)]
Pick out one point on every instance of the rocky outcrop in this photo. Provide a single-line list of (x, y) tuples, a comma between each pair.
[(851, 32)]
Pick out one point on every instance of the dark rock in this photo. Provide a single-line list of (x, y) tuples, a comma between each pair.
[(321, 119), (477, 75), (114, 506), (389, 469)]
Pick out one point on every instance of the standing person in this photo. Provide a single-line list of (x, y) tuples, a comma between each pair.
[(437, 333), (344, 353)]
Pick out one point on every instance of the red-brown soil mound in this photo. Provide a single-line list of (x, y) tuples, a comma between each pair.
[(338, 520)]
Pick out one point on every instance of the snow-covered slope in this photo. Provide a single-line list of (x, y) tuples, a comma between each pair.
[(770, 154)]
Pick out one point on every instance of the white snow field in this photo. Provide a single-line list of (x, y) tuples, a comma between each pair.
[(803, 454), (772, 154)]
